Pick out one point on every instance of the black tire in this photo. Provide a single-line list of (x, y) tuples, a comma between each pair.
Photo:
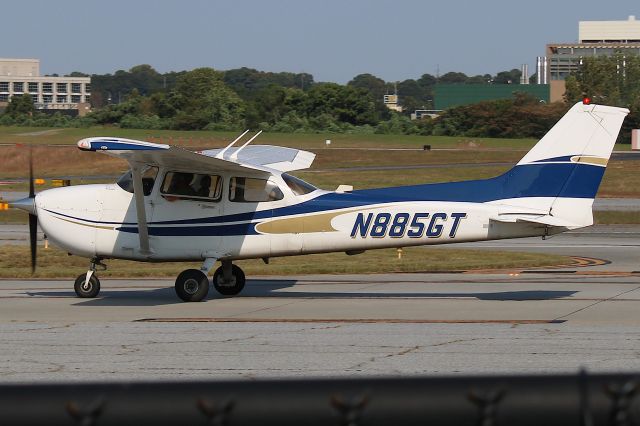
[(235, 287), (87, 290), (192, 285)]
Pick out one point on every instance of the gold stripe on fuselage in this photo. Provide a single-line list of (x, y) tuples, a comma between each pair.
[(585, 159), (299, 225), (110, 228)]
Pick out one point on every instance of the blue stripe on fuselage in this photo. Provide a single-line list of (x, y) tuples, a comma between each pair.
[(197, 231), (572, 180)]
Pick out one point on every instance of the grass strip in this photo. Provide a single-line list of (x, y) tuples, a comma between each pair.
[(55, 263), (616, 217)]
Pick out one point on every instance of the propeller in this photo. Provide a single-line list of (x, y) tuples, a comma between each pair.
[(33, 219), (29, 205)]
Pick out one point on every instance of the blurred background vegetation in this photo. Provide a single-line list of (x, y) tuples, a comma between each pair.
[(208, 99)]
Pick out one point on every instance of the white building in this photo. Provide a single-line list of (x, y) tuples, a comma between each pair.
[(596, 38), (609, 31), (20, 76)]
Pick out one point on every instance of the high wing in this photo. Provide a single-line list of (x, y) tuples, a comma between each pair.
[(258, 158), (261, 160), (273, 157)]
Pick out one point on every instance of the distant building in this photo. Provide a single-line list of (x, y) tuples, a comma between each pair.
[(20, 76), (422, 113), (392, 102), (595, 38), (451, 95)]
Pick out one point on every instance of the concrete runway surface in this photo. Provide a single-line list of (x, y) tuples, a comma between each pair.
[(537, 321)]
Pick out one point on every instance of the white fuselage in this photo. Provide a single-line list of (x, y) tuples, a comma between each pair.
[(100, 221)]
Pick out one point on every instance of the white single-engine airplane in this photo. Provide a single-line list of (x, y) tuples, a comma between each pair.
[(240, 203)]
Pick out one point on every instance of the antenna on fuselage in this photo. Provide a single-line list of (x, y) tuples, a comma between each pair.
[(234, 156), (221, 153)]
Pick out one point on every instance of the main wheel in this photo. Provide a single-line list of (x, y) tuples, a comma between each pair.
[(192, 285), (86, 289), (231, 288)]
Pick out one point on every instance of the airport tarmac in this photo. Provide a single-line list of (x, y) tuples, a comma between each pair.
[(405, 324), (536, 321)]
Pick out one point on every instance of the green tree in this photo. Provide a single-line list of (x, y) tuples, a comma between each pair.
[(345, 104), (508, 77), (268, 106), (375, 86), (20, 106), (202, 100), (609, 80), (453, 77), (248, 82)]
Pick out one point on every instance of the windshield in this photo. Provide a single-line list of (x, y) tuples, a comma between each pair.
[(148, 179), (298, 186)]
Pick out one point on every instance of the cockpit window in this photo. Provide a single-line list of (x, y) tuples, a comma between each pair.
[(148, 179), (251, 190), (298, 186), (192, 186)]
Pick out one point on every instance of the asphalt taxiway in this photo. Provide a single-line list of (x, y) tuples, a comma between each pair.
[(403, 324), (518, 321)]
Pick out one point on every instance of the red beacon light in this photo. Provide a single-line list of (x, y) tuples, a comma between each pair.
[(586, 100)]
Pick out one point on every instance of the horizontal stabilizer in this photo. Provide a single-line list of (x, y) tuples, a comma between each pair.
[(547, 220)]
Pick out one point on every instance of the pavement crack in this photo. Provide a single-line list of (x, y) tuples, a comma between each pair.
[(596, 303), (263, 309), (455, 341), (238, 339), (373, 359)]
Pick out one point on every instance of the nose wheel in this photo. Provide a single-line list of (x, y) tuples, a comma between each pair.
[(88, 285), (87, 289)]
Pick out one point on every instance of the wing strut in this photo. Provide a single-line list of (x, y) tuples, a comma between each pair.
[(138, 192), (234, 156), (221, 153)]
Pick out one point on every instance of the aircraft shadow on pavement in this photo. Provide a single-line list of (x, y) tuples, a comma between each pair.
[(269, 288), (116, 297)]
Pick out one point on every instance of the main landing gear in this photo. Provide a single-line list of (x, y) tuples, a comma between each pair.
[(88, 285), (192, 285)]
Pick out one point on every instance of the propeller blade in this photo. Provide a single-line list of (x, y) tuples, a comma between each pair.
[(33, 239), (33, 219), (32, 190)]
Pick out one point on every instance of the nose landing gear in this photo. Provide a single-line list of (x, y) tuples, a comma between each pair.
[(88, 285)]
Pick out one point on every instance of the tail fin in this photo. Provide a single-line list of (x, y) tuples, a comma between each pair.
[(566, 166)]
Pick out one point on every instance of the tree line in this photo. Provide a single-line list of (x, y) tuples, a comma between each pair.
[(209, 99)]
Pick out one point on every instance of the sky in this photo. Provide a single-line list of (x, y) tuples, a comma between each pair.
[(334, 40)]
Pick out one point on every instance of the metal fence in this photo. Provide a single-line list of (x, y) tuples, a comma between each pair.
[(565, 400)]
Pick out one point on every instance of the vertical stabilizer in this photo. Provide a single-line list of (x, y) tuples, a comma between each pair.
[(570, 161)]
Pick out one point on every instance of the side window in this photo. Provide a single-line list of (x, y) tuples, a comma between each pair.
[(192, 186), (250, 190), (148, 179)]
